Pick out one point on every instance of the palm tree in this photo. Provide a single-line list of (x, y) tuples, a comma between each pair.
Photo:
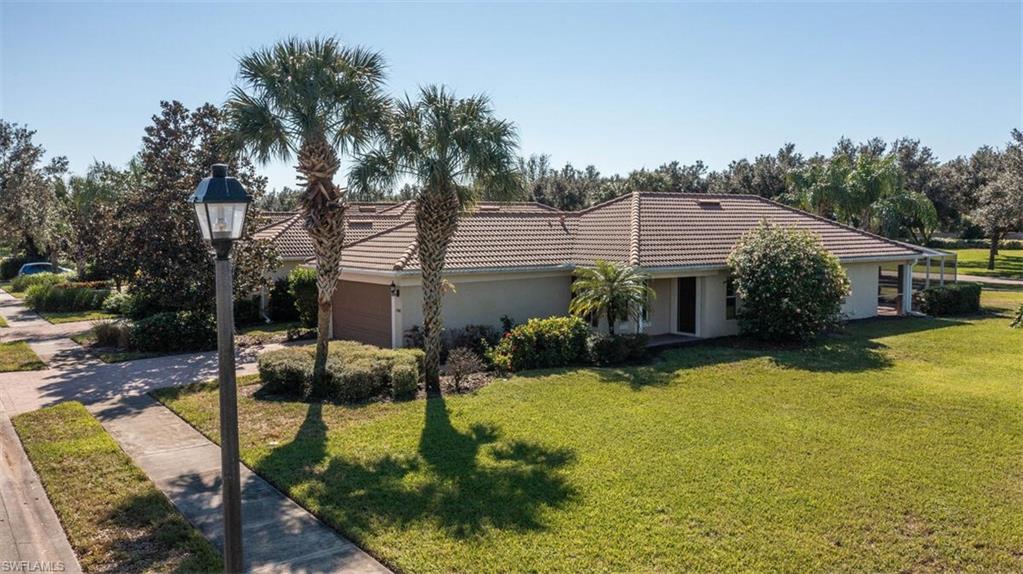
[(612, 290), (317, 100), (453, 149)]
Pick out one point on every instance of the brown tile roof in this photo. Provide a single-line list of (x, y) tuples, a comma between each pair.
[(363, 219), (648, 229)]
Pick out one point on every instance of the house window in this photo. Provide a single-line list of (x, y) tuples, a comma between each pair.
[(730, 299)]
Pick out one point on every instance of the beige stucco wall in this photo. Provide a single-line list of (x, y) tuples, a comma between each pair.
[(712, 320), (659, 317), (484, 302)]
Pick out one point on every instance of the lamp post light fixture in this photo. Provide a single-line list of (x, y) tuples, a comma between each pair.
[(220, 204)]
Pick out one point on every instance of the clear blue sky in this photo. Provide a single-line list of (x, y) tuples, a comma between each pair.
[(619, 86)]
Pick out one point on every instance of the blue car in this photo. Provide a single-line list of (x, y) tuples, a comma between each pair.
[(41, 267)]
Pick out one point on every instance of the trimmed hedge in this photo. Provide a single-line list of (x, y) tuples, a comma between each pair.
[(607, 349), (302, 287), (64, 297), (957, 299), (355, 372), (542, 343), (174, 332)]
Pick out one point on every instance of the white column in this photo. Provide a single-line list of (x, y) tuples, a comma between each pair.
[(907, 288)]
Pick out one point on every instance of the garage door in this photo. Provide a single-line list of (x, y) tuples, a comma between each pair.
[(362, 312)]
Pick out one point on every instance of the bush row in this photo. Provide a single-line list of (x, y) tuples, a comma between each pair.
[(355, 372), (957, 299), (168, 332), (65, 297), (26, 282), (477, 338)]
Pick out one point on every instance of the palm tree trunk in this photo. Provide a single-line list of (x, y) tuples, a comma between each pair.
[(324, 208), (436, 222)]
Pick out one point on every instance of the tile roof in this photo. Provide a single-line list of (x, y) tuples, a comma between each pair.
[(648, 229), (362, 219)]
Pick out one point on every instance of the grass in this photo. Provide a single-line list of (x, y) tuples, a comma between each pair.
[(6, 286), (3, 322), (115, 518), (892, 447), (268, 332), (1008, 263), (58, 317), (110, 354), (18, 356)]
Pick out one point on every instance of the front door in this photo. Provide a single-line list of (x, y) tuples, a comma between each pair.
[(687, 305)]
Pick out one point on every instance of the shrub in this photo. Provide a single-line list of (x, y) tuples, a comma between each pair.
[(111, 334), (355, 372), (117, 302), (26, 282), (62, 297), (173, 332), (302, 287), (10, 266), (788, 285), (542, 343), (281, 304), (286, 371), (94, 284), (463, 362), (956, 299), (1017, 320), (246, 310), (138, 306), (477, 338), (607, 349)]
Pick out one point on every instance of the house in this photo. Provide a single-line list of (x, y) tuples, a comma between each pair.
[(517, 260)]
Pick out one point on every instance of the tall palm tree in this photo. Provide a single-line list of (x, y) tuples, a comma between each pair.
[(317, 100), (454, 149), (615, 291)]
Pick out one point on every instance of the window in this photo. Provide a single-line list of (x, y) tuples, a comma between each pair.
[(730, 299)]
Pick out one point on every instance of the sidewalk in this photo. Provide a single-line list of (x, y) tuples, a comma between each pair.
[(279, 535)]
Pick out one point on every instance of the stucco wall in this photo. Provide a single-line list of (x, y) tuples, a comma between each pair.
[(713, 321), (659, 317), (862, 301), (483, 302)]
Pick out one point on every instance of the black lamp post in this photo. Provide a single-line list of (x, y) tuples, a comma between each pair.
[(220, 204)]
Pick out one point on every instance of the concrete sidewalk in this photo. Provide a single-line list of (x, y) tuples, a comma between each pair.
[(279, 535)]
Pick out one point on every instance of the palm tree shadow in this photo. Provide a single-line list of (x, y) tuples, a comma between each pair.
[(461, 482)]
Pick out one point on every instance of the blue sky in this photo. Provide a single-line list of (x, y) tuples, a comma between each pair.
[(619, 86)]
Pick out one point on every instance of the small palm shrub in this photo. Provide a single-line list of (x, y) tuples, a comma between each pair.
[(542, 343), (611, 290), (463, 362), (789, 286), (302, 287), (956, 299)]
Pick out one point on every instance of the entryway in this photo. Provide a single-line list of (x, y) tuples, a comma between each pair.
[(686, 305)]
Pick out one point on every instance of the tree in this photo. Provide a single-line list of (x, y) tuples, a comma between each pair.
[(29, 193), (168, 264), (612, 290), (788, 285), (284, 199), (1000, 201), (85, 207), (317, 100), (453, 149), (766, 175)]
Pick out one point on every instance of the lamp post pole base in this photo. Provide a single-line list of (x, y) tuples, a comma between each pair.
[(231, 482)]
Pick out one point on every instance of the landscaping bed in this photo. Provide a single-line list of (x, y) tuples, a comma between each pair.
[(891, 447), (115, 518), (58, 317), (18, 356)]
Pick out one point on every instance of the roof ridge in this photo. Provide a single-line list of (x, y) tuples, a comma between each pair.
[(634, 230), (378, 233), (407, 255), (838, 223), (601, 205)]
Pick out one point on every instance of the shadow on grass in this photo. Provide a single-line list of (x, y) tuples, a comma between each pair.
[(463, 482)]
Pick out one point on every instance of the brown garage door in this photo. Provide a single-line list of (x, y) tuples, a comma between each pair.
[(362, 312)]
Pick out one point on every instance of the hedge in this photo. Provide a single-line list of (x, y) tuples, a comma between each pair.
[(956, 299), (25, 282), (281, 304), (302, 287), (63, 297), (174, 332), (607, 349), (355, 372), (542, 343)]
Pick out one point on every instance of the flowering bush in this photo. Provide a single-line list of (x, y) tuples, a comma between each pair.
[(788, 285)]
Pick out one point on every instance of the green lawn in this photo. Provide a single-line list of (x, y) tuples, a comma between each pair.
[(57, 317), (893, 447), (3, 322), (115, 518), (6, 286), (266, 332), (18, 356), (1008, 263)]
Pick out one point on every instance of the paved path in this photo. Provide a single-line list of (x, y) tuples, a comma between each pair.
[(279, 536)]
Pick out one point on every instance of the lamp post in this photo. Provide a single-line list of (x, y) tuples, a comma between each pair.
[(220, 204)]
